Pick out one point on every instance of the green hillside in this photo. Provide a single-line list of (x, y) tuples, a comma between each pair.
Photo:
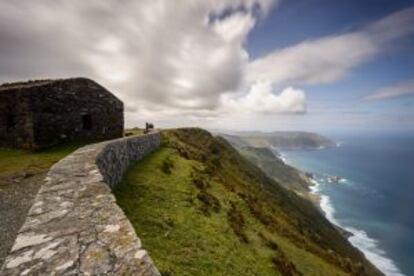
[(201, 208), (275, 168)]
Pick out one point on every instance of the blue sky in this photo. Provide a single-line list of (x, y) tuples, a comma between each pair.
[(295, 21), (317, 65)]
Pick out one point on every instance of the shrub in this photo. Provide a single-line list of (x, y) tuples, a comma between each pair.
[(237, 222), (167, 166), (210, 202), (284, 266)]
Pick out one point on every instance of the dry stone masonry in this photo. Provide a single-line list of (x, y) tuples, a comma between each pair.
[(75, 226), (44, 113)]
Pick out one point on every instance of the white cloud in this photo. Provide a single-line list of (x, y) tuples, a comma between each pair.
[(328, 59), (398, 90), (235, 28), (261, 99), (178, 60), (313, 62), (156, 55)]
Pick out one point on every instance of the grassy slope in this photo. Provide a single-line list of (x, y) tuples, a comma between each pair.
[(202, 209), (18, 161), (275, 168)]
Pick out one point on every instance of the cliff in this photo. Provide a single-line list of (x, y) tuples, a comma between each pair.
[(271, 164), (201, 208), (285, 140)]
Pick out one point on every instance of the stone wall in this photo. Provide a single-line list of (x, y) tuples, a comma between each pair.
[(16, 124), (75, 226), (116, 156), (57, 111)]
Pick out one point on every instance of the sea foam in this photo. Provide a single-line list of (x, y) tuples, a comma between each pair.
[(359, 239), (283, 158)]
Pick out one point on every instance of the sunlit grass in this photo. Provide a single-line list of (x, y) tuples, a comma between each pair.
[(14, 161), (195, 222)]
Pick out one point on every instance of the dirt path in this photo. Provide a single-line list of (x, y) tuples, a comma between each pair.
[(17, 193)]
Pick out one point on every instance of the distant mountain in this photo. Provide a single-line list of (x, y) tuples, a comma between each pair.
[(282, 140)]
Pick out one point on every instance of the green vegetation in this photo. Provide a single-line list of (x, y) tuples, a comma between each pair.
[(200, 208), (289, 177), (275, 168), (133, 131), (21, 176), (14, 161)]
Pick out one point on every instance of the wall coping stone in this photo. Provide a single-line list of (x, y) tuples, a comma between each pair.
[(74, 226)]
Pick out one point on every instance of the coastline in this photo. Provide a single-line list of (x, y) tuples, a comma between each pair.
[(317, 199), (357, 237)]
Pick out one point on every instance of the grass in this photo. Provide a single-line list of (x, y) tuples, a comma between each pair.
[(202, 209), (275, 168), (185, 233), (14, 161), (134, 131)]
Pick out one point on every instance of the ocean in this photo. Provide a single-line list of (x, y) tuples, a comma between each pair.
[(374, 199)]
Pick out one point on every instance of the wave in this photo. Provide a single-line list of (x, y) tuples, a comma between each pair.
[(343, 180), (315, 187), (283, 158), (376, 255), (359, 239), (280, 155)]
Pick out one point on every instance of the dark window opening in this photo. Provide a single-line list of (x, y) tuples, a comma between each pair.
[(87, 122), (10, 121)]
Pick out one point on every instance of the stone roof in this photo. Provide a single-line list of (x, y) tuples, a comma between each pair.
[(36, 83), (24, 84)]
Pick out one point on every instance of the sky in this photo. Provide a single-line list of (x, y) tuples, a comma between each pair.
[(315, 65)]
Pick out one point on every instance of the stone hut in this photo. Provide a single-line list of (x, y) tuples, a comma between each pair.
[(39, 114)]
